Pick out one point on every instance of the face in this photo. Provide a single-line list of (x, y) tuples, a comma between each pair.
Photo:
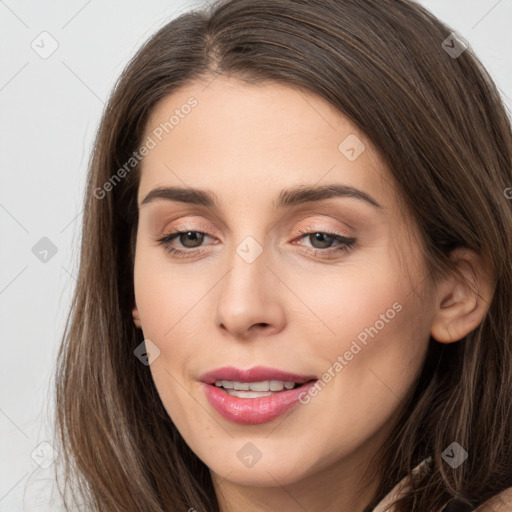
[(327, 285)]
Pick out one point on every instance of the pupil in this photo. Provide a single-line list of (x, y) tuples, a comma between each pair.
[(190, 234), (319, 237)]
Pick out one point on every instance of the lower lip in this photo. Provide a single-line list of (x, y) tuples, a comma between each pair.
[(252, 411)]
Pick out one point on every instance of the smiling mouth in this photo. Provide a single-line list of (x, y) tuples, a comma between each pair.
[(266, 401)]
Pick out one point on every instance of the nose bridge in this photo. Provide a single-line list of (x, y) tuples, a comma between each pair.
[(248, 293), (250, 240), (248, 268), (250, 250)]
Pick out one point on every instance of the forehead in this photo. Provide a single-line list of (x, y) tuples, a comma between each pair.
[(231, 137)]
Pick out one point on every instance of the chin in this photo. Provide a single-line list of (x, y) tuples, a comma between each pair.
[(264, 473)]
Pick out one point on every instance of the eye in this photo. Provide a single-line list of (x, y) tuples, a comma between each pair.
[(189, 239), (322, 241), (192, 241)]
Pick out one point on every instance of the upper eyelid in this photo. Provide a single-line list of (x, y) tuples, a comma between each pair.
[(291, 218)]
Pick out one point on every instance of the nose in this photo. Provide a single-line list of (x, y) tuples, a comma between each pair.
[(250, 301)]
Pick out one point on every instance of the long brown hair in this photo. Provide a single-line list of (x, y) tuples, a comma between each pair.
[(440, 126)]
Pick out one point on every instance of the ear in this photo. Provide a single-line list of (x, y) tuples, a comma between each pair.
[(462, 302), (136, 317)]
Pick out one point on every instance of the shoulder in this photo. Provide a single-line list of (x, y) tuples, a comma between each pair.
[(502, 502)]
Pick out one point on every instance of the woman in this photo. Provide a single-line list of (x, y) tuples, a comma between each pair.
[(294, 291)]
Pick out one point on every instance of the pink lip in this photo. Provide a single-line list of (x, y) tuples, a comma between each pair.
[(253, 411), (256, 374)]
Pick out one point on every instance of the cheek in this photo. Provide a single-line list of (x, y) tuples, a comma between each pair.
[(168, 296), (342, 304), (371, 336)]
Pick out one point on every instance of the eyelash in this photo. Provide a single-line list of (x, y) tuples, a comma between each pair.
[(347, 243)]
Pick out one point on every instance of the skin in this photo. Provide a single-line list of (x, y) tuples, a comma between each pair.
[(291, 308)]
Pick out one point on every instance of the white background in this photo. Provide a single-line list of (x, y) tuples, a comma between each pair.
[(49, 111)]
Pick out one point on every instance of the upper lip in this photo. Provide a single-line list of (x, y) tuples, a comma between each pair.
[(255, 374)]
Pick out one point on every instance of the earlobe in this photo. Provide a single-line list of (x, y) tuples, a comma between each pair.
[(462, 300), (136, 317)]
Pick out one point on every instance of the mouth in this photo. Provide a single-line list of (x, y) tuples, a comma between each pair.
[(253, 396)]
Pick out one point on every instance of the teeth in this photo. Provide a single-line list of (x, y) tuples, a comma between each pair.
[(277, 385), (259, 386), (263, 386)]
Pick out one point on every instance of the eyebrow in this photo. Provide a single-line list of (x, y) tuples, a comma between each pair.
[(288, 197)]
